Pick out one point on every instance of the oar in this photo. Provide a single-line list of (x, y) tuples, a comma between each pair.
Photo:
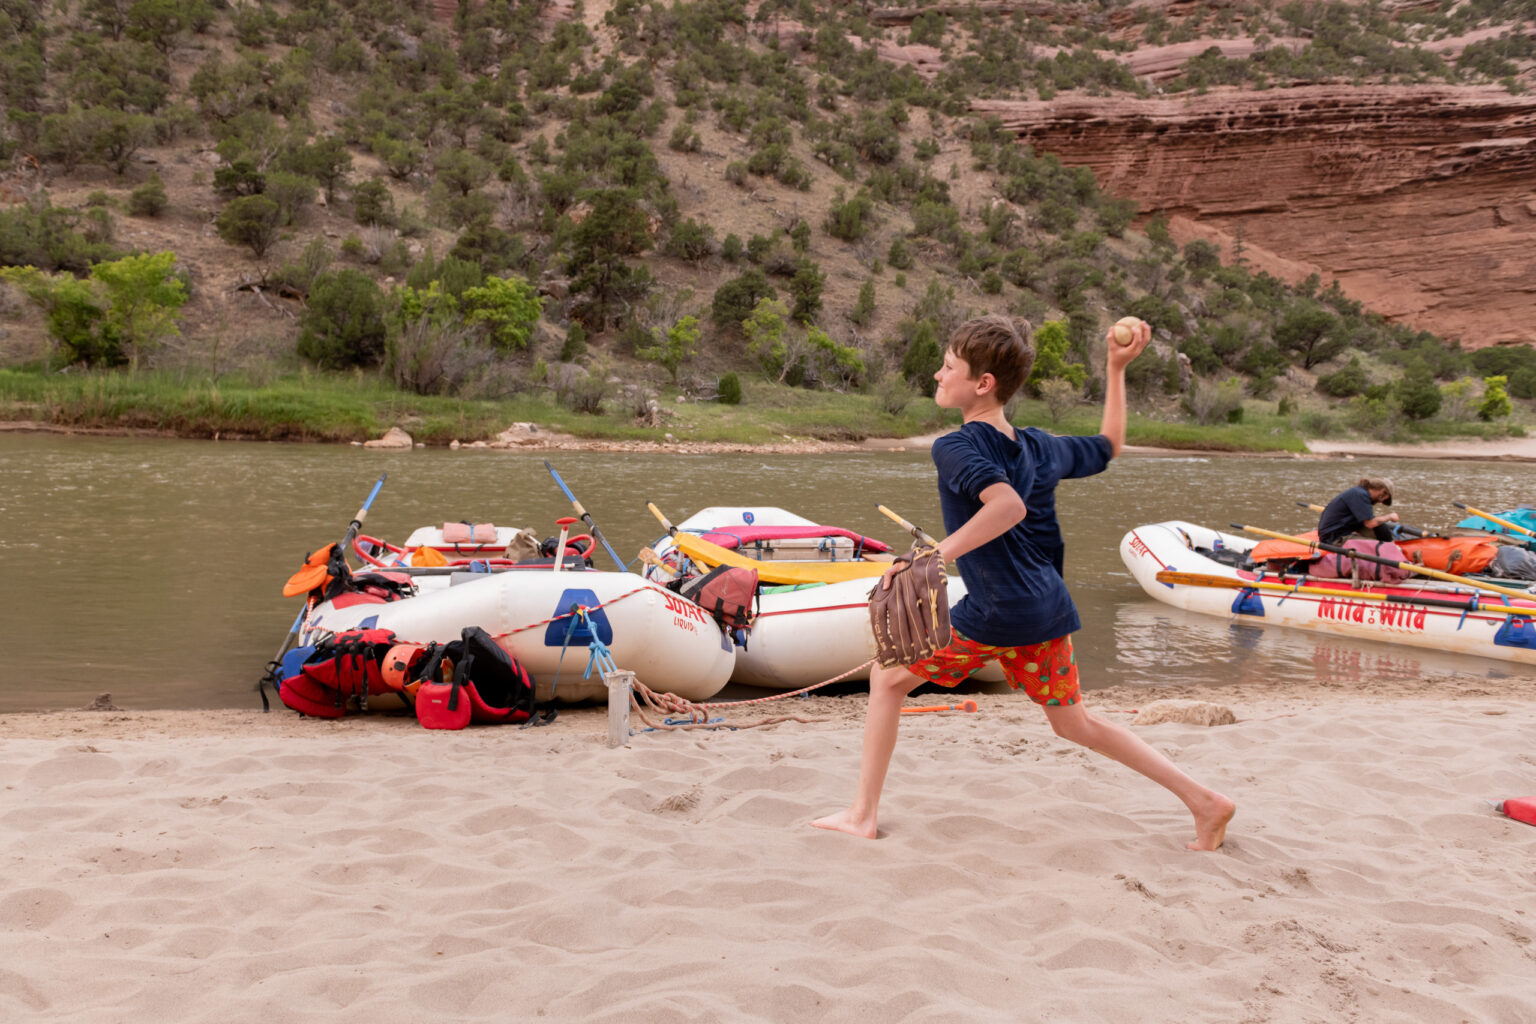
[(362, 513), (1406, 566), (666, 524), (915, 530), (1412, 531), (1495, 519), (586, 518), (1195, 579), (346, 538)]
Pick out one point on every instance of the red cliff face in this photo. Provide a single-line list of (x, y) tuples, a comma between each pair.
[(1421, 200)]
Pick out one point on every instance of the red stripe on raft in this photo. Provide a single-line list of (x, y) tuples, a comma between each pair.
[(818, 608), (735, 536)]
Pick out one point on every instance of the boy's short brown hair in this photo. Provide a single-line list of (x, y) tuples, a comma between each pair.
[(999, 345)]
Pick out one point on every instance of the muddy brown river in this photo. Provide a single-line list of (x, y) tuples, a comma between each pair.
[(152, 569)]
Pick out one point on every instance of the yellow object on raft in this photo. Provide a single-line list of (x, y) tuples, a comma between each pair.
[(777, 572)]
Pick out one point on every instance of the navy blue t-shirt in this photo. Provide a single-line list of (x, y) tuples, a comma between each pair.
[(1344, 515), (1014, 591)]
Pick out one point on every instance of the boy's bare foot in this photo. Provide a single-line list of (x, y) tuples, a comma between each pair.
[(846, 821), (1211, 823)]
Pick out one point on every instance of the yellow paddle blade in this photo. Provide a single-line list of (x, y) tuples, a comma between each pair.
[(778, 572)]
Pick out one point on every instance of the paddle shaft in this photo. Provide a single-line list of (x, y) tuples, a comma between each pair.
[(362, 513), (1412, 531), (666, 524), (916, 531), (968, 706), (293, 632), (346, 538), (587, 518), (1494, 519), (1194, 579), (1406, 566)]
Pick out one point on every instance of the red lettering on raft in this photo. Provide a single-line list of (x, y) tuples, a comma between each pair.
[(1390, 617)]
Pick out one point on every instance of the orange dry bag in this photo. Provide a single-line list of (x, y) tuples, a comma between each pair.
[(1462, 556)]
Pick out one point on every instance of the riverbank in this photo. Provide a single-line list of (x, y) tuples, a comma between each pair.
[(1512, 449), (772, 418), (343, 409), (232, 865)]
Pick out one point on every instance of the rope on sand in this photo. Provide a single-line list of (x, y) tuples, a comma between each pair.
[(667, 704)]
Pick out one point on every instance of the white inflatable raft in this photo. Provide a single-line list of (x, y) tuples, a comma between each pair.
[(670, 643), (1427, 613), (802, 635)]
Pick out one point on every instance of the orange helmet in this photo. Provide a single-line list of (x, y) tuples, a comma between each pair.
[(397, 666)]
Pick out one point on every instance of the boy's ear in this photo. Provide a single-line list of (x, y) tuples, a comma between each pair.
[(986, 384)]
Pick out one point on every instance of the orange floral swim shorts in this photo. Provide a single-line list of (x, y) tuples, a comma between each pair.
[(1046, 671)]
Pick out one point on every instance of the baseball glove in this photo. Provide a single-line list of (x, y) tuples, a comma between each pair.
[(910, 618)]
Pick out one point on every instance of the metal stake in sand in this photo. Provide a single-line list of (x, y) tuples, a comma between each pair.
[(620, 683)]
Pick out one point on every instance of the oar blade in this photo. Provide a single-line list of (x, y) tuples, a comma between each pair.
[(1196, 579)]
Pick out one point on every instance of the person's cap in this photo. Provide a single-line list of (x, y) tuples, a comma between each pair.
[(1386, 485)]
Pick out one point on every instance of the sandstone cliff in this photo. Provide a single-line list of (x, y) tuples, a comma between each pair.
[(1421, 200)]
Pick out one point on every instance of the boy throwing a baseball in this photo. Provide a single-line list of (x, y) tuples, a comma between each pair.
[(997, 488)]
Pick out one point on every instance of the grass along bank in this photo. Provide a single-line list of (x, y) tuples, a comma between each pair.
[(341, 408)]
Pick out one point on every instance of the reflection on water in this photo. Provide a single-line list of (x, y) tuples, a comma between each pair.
[(1159, 643), (153, 569)]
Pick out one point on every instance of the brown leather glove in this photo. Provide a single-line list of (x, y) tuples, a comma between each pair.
[(910, 618)]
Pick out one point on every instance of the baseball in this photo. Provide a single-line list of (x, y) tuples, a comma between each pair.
[(1125, 329)]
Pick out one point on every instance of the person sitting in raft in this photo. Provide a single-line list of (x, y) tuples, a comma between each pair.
[(1354, 511)]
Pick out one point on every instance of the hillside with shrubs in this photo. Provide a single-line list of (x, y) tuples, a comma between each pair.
[(632, 217)]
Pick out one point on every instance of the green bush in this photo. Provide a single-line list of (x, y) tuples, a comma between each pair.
[(1345, 382), (864, 308), (149, 199), (252, 221), (344, 322), (372, 202), (730, 390), (1495, 404), (923, 356), (893, 394), (689, 241), (805, 288), (1200, 255), (575, 345), (734, 300), (850, 219), (1051, 345), (1417, 393)]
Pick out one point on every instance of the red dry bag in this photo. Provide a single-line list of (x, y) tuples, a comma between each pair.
[(1521, 808)]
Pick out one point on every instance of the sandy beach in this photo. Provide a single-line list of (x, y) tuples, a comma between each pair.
[(232, 866)]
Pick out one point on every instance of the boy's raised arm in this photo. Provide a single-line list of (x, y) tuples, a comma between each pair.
[(1120, 356)]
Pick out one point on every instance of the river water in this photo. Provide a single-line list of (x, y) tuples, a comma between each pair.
[(152, 569)]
